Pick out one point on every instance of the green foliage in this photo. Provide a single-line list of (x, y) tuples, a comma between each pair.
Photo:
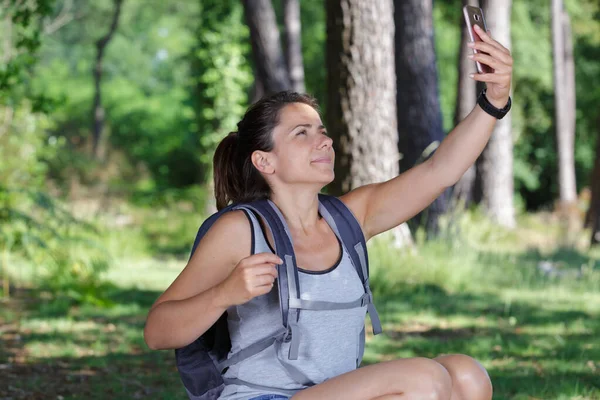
[(535, 163), (21, 23), (221, 73), (32, 223), (474, 291)]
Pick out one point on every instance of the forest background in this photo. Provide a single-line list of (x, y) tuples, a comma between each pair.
[(109, 115)]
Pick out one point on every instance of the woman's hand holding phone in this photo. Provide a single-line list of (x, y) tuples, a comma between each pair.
[(499, 59)]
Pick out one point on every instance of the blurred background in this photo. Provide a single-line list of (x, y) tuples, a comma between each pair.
[(110, 112)]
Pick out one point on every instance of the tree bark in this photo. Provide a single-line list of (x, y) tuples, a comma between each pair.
[(563, 101), (98, 113), (420, 126), (593, 214), (293, 43), (495, 165), (361, 100), (266, 46), (463, 191)]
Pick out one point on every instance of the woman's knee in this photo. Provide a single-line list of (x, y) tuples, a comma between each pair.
[(432, 380), (469, 378)]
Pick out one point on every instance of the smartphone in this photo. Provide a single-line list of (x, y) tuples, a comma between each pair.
[(474, 16)]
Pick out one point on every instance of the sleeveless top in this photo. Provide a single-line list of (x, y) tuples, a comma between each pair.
[(329, 343)]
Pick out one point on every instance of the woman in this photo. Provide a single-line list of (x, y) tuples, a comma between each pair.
[(282, 152)]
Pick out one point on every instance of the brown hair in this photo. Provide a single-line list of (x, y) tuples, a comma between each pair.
[(235, 177)]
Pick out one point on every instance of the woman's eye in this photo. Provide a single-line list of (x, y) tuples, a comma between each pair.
[(302, 132)]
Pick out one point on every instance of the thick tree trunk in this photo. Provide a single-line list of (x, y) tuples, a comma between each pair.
[(462, 193), (420, 127), (362, 93), (593, 214), (266, 46), (293, 43), (564, 103), (98, 113), (495, 166)]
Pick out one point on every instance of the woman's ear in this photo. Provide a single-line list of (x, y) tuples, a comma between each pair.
[(262, 162)]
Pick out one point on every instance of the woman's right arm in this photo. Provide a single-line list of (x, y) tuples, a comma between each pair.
[(220, 273)]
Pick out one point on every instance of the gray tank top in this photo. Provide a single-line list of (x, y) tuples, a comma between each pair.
[(330, 338)]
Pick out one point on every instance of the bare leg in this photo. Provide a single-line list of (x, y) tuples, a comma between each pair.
[(411, 378), (470, 381)]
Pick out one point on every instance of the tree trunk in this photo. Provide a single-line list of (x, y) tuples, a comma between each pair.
[(420, 127), (361, 101), (266, 46), (593, 214), (564, 103), (98, 128), (462, 193), (495, 165), (293, 43)]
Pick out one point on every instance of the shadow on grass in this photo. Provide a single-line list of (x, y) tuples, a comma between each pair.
[(113, 376), (548, 352), (540, 364), (103, 357)]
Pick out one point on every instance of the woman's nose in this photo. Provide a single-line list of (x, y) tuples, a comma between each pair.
[(326, 141)]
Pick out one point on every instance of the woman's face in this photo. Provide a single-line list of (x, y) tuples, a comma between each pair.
[(302, 153)]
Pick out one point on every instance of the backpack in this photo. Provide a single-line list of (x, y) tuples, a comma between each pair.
[(202, 362)]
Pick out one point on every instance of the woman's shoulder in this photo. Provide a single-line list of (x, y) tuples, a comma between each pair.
[(232, 224), (230, 234)]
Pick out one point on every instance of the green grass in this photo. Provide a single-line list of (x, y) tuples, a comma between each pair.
[(476, 290)]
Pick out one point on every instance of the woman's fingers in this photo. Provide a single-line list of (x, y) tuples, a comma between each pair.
[(501, 79), (492, 51), (491, 61), (262, 280), (488, 39)]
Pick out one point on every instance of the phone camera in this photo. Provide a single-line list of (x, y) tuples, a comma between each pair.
[(476, 17)]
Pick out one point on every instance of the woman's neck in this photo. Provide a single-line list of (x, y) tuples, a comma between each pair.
[(300, 210)]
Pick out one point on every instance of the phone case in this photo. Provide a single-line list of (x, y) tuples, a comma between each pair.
[(474, 16)]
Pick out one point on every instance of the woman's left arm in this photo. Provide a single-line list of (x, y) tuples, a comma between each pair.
[(383, 206)]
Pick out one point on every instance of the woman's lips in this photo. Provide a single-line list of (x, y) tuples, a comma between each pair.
[(322, 160)]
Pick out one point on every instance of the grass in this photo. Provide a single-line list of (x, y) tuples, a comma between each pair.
[(477, 290)]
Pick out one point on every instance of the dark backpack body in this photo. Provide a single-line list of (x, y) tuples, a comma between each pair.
[(201, 363)]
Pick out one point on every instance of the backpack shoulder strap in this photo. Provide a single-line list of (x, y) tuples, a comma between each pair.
[(288, 280), (348, 229)]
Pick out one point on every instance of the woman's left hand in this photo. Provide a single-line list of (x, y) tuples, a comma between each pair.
[(499, 59)]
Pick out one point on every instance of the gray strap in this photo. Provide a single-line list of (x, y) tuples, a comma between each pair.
[(361, 347), (327, 215), (328, 305), (236, 381), (291, 276), (250, 351), (373, 314), (294, 330), (294, 372), (375, 321), (360, 250), (293, 312), (253, 221)]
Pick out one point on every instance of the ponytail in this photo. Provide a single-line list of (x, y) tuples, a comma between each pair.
[(226, 173)]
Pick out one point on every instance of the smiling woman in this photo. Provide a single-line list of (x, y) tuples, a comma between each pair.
[(282, 153)]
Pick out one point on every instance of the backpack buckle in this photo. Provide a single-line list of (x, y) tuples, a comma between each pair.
[(366, 299), (287, 335), (292, 336)]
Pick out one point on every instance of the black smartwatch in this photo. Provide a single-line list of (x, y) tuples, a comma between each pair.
[(489, 108)]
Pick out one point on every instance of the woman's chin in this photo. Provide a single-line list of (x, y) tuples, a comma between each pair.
[(327, 178)]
